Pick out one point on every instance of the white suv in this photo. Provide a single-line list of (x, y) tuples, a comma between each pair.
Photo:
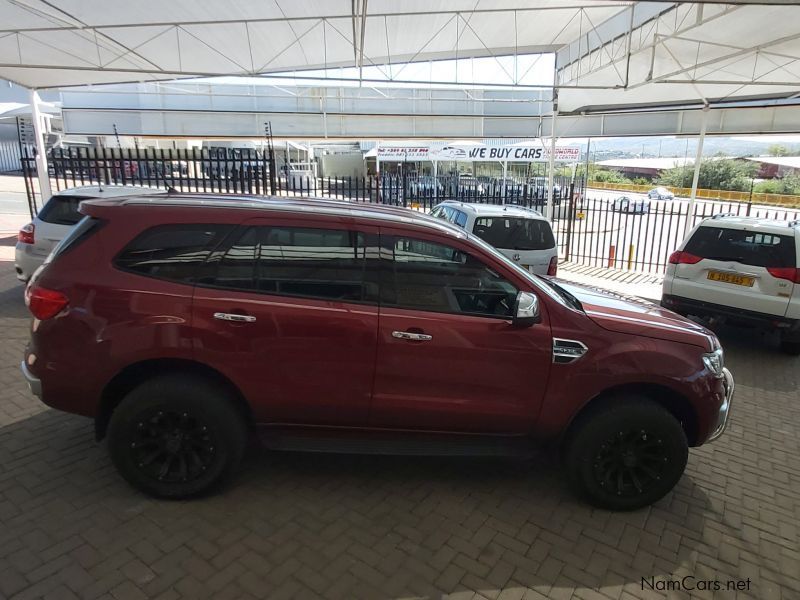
[(520, 233), (56, 219), (741, 270)]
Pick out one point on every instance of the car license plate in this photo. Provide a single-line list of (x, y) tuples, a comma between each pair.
[(731, 278)]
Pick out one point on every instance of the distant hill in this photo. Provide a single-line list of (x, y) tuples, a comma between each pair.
[(650, 146)]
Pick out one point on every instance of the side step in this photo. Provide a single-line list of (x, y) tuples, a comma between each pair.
[(399, 443)]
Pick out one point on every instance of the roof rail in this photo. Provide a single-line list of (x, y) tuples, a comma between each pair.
[(723, 215), (794, 223)]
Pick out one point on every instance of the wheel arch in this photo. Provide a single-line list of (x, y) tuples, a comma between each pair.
[(674, 402), (135, 374)]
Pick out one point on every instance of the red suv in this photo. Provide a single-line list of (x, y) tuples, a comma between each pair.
[(182, 324)]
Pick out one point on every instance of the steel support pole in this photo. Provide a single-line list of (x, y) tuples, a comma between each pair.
[(551, 164), (505, 172), (436, 180), (696, 178), (41, 153)]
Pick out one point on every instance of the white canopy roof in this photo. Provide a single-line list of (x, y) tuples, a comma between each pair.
[(49, 43), (610, 54)]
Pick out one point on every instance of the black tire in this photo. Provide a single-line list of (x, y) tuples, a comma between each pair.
[(790, 347), (190, 425), (627, 454)]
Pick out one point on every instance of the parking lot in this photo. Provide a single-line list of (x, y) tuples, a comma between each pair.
[(311, 525)]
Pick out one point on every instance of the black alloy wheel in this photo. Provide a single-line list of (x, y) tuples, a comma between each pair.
[(625, 453), (172, 446), (177, 435), (630, 462)]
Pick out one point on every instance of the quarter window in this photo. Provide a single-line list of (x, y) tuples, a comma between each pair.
[(429, 276), (174, 252)]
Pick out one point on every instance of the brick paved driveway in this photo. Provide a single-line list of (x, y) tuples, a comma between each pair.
[(312, 526)]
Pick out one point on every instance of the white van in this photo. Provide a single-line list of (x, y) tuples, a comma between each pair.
[(520, 233)]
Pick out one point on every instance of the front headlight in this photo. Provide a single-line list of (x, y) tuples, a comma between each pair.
[(715, 361)]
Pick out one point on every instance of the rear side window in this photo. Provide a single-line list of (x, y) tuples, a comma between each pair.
[(745, 247), (515, 233), (329, 264), (173, 252), (62, 210)]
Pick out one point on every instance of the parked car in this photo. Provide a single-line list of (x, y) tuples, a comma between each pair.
[(424, 185), (741, 270), (539, 186), (54, 221), (627, 204), (660, 193), (182, 324), (521, 234), (468, 184)]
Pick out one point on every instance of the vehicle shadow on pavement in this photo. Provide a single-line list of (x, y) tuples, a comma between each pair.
[(310, 525), (337, 526)]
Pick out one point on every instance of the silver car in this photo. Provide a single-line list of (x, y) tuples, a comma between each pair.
[(56, 218)]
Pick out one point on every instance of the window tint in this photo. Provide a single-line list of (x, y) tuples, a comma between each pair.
[(236, 268), (429, 276), (313, 263), (460, 218), (515, 233), (172, 252), (62, 210), (745, 247)]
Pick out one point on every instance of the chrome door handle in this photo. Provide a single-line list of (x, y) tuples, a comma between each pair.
[(236, 318), (407, 335)]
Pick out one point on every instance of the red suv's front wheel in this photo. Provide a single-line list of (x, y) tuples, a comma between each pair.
[(627, 454)]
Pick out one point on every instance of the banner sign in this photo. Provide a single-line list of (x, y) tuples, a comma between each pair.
[(478, 153), (403, 153)]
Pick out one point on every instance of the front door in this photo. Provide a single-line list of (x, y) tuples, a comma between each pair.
[(287, 311), (449, 357)]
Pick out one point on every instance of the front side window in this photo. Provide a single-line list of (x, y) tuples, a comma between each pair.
[(515, 233), (329, 264), (174, 252), (423, 275), (745, 247)]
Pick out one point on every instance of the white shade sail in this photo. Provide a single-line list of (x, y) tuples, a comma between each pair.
[(72, 42)]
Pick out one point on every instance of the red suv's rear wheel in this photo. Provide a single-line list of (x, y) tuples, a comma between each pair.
[(627, 454), (174, 437)]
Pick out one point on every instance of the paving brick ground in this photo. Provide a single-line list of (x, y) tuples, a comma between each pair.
[(314, 526)]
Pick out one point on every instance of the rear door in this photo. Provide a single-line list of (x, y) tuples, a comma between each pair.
[(734, 269), (289, 311)]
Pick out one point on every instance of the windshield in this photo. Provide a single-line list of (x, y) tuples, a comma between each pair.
[(515, 233)]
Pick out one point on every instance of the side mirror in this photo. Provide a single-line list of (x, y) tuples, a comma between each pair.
[(526, 310)]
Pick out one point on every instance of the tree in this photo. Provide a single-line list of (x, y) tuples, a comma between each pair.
[(777, 150), (787, 185), (715, 174)]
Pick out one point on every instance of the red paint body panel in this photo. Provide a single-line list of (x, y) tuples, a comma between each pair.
[(314, 362)]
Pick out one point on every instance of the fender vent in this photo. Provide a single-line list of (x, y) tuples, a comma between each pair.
[(567, 351)]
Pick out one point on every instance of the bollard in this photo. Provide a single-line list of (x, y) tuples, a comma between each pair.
[(631, 250), (612, 255)]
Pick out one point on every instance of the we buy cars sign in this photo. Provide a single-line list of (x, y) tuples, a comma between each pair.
[(476, 153), (514, 153)]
